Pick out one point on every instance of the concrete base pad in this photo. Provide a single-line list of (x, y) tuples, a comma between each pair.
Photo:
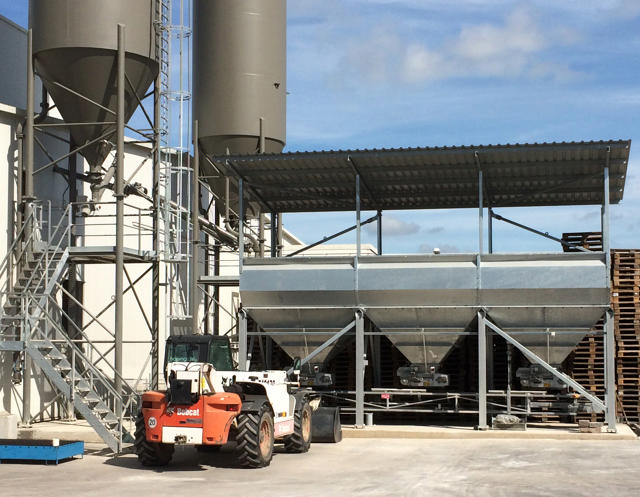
[(533, 432)]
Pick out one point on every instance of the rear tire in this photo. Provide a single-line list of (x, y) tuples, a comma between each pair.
[(150, 453), (255, 438), (300, 440)]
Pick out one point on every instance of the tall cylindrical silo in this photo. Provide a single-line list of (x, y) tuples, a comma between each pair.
[(239, 80), (75, 48)]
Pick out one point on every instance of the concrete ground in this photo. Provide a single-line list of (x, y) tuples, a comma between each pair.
[(399, 467)]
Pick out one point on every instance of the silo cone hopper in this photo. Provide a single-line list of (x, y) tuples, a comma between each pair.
[(425, 352), (551, 346), (75, 53)]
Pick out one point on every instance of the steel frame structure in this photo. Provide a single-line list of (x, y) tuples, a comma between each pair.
[(485, 326)]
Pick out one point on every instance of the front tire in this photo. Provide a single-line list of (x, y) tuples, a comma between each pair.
[(255, 438), (150, 453), (300, 440)]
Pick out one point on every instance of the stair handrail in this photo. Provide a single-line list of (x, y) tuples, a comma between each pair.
[(61, 231), (105, 381), (18, 249)]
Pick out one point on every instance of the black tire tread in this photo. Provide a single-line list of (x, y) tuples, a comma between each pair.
[(296, 442), (150, 453), (248, 439)]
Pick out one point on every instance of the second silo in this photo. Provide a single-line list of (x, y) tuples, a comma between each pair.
[(239, 79)]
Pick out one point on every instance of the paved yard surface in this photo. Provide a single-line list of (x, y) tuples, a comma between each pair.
[(368, 467)]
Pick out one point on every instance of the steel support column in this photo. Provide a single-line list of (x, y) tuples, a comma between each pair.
[(610, 371), (482, 371), (360, 365), (358, 231), (119, 194), (27, 207), (480, 214), (609, 328), (155, 270)]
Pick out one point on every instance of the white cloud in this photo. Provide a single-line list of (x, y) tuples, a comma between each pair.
[(393, 226), (509, 50)]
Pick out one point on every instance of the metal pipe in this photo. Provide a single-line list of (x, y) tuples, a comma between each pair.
[(195, 214), (119, 194), (274, 234), (610, 371), (240, 225), (482, 371), (379, 232), (480, 214), (609, 335), (279, 235), (358, 232), (360, 365), (242, 341), (490, 230), (335, 235)]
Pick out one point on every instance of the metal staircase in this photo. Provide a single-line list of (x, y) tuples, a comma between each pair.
[(31, 323)]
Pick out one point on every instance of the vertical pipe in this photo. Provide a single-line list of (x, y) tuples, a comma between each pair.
[(240, 225), (606, 242), (274, 234), (490, 230), (216, 272), (358, 215), (480, 214), (261, 235), (609, 332), (610, 371), (195, 235), (279, 233), (482, 372), (379, 232), (28, 132), (242, 341), (360, 363), (119, 187)]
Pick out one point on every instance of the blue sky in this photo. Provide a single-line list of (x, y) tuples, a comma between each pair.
[(414, 73)]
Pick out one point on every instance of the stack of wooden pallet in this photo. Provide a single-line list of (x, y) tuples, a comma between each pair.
[(625, 298)]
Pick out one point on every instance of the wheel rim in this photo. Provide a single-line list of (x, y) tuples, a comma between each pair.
[(306, 425), (265, 438)]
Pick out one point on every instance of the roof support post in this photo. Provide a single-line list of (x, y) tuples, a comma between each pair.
[(482, 371), (360, 365), (606, 247), (609, 329), (358, 231), (379, 232), (480, 214), (610, 371), (490, 230)]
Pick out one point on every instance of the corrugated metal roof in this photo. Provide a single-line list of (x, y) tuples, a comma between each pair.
[(544, 174)]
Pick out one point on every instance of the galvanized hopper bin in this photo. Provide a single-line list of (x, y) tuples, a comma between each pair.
[(423, 302), (75, 47)]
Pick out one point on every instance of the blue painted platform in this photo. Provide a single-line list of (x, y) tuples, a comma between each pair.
[(39, 450)]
